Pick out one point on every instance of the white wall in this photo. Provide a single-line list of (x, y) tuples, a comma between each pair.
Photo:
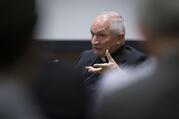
[(71, 19)]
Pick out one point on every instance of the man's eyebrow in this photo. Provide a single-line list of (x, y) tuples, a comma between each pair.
[(99, 32), (102, 31)]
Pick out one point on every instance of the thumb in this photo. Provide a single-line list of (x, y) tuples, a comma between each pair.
[(110, 59)]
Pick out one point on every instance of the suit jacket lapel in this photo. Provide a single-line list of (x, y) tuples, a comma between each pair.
[(120, 56)]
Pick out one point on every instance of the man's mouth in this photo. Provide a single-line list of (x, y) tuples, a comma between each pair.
[(97, 48)]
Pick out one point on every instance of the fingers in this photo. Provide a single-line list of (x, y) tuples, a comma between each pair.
[(100, 65), (93, 69), (98, 68), (110, 59), (88, 67)]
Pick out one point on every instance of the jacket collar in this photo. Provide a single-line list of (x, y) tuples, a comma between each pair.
[(119, 55)]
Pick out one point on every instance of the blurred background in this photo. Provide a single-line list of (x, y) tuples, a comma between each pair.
[(64, 25)]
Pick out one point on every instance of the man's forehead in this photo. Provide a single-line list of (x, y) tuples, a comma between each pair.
[(100, 25), (99, 31)]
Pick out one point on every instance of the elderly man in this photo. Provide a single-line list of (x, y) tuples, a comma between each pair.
[(108, 36), (153, 95)]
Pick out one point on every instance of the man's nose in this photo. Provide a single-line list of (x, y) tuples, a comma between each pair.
[(95, 40)]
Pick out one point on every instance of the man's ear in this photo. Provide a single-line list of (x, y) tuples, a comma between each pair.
[(120, 38)]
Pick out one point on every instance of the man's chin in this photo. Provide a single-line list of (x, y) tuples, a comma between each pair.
[(99, 54)]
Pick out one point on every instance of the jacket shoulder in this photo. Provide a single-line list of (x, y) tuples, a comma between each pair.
[(135, 56), (86, 57)]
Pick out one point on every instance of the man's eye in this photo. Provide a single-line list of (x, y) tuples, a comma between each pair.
[(102, 35), (92, 34)]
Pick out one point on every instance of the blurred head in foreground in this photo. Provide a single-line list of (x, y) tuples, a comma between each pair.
[(159, 21), (16, 25)]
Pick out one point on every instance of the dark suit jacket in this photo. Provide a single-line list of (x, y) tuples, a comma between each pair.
[(124, 56), (154, 96)]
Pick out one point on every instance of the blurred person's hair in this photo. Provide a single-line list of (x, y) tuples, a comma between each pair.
[(161, 16), (16, 26)]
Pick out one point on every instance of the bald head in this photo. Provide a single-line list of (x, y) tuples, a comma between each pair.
[(112, 20)]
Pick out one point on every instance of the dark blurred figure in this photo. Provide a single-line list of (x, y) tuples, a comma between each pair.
[(17, 21), (58, 87), (16, 25), (57, 93), (60, 91), (154, 96)]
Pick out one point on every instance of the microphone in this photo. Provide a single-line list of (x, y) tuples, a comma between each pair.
[(90, 76)]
